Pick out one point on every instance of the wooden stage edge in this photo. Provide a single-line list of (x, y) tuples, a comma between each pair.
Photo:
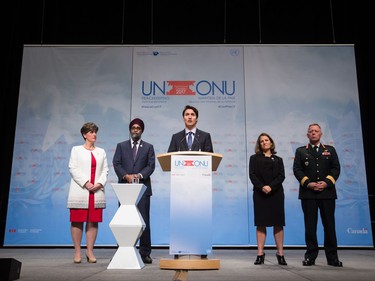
[(190, 264)]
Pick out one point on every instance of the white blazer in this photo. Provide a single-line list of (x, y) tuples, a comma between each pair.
[(80, 171)]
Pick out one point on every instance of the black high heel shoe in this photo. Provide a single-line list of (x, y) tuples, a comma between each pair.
[(281, 259), (260, 259)]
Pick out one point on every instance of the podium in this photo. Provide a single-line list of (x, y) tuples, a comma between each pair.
[(127, 226), (165, 158), (191, 208)]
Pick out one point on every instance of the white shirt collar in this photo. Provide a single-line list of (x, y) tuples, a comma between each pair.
[(194, 130), (138, 141)]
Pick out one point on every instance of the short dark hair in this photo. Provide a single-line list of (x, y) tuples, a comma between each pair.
[(190, 107), (89, 127)]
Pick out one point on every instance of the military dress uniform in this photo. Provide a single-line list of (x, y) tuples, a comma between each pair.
[(311, 165)]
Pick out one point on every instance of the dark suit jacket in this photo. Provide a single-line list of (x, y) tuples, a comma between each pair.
[(259, 175), (202, 142), (311, 166), (144, 163)]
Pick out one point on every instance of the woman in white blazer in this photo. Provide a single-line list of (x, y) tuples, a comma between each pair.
[(88, 168)]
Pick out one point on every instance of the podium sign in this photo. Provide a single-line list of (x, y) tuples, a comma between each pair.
[(191, 205)]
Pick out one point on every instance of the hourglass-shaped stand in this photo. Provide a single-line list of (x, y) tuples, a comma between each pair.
[(127, 226)]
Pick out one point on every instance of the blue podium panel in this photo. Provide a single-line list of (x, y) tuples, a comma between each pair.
[(191, 205)]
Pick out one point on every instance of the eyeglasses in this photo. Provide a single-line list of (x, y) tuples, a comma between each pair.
[(136, 128)]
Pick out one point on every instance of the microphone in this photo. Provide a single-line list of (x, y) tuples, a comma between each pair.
[(179, 144), (199, 143)]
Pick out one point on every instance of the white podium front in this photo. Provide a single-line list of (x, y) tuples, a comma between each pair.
[(191, 200), (191, 210), (191, 205), (127, 226)]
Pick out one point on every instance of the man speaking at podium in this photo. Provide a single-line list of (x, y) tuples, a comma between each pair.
[(191, 138)]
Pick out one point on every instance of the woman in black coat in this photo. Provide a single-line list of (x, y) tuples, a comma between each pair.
[(266, 172)]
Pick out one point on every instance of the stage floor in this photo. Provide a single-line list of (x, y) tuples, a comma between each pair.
[(54, 264)]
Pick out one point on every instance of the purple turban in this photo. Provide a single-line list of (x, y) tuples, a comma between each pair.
[(138, 122)]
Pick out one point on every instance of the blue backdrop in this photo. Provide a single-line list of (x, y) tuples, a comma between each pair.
[(240, 91)]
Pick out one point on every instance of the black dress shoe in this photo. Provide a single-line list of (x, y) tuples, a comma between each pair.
[(260, 259), (146, 259), (308, 262), (336, 263), (280, 259)]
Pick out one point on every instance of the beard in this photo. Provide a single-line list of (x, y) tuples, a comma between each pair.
[(136, 137)]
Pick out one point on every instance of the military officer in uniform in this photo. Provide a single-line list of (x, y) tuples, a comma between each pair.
[(316, 166)]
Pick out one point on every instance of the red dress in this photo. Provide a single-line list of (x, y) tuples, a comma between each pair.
[(91, 214)]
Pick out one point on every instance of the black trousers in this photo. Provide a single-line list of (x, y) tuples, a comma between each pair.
[(145, 239), (326, 207)]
